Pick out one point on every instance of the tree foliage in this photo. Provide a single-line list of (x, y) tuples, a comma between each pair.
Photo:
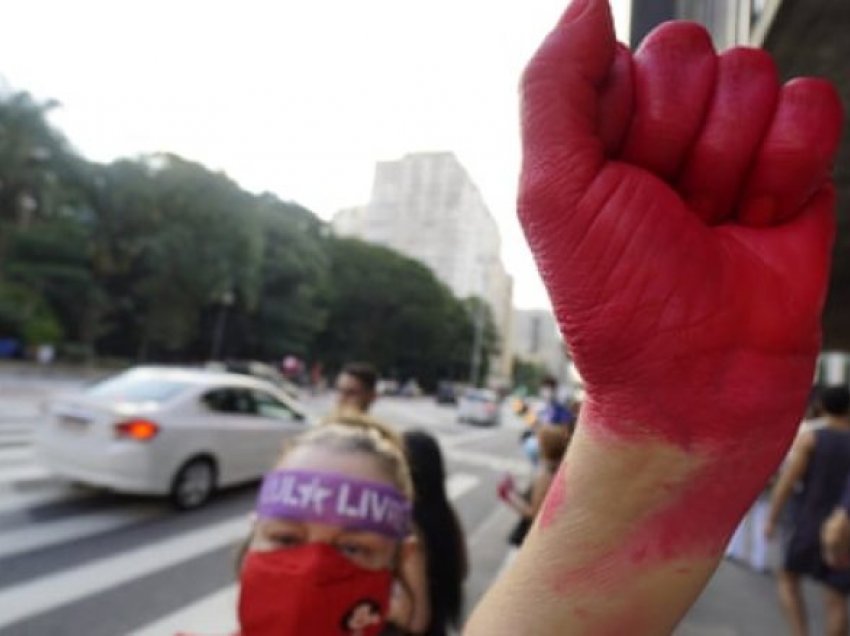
[(147, 258)]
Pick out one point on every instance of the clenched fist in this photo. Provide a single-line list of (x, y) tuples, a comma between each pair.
[(680, 209)]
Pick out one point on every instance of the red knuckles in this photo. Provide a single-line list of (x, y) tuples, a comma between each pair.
[(679, 207), (675, 75), (796, 155), (737, 120)]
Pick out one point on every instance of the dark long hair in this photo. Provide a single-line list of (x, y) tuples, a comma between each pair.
[(440, 530)]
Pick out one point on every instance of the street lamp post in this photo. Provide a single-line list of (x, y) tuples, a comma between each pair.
[(480, 315), (226, 300), (475, 364)]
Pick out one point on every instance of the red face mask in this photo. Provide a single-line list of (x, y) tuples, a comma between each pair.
[(311, 590)]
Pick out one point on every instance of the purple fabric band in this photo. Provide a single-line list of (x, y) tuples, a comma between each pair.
[(334, 499)]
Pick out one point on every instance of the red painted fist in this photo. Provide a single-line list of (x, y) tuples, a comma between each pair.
[(680, 209)]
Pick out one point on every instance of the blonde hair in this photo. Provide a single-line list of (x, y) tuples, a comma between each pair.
[(358, 419), (351, 432), (360, 435)]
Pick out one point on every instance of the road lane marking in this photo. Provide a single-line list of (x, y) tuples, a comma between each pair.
[(497, 516), (16, 456), (458, 484), (15, 501), (212, 614), (15, 430), (485, 460), (15, 437), (80, 526), (25, 600), (467, 437), (23, 474)]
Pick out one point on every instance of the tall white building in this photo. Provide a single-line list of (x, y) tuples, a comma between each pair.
[(426, 206), (537, 339)]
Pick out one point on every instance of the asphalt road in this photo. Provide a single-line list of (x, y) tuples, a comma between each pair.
[(80, 561)]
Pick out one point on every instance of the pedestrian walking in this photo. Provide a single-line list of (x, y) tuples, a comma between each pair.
[(820, 460), (356, 387), (552, 412), (552, 441)]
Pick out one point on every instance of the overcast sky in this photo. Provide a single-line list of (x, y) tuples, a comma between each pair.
[(298, 97)]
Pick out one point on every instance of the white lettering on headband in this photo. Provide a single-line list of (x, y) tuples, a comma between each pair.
[(334, 499)]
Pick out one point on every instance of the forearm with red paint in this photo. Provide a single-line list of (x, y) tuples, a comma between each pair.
[(680, 209)]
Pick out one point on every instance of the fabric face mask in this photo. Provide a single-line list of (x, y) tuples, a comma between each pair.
[(311, 590)]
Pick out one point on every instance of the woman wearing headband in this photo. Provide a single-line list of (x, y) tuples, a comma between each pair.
[(333, 528)]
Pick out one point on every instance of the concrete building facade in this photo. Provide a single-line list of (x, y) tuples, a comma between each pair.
[(538, 340), (730, 22), (426, 206)]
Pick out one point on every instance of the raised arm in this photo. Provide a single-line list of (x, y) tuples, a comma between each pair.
[(680, 209)]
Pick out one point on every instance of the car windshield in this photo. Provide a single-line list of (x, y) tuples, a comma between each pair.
[(132, 387)]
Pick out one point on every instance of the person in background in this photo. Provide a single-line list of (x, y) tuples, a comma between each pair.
[(551, 412), (439, 530), (335, 557), (820, 459), (411, 603), (814, 418), (553, 441), (356, 387)]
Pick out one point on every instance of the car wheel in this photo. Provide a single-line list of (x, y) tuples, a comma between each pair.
[(193, 484)]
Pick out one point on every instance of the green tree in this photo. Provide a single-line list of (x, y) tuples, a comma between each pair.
[(528, 375), (291, 306), (207, 244), (393, 312), (485, 333)]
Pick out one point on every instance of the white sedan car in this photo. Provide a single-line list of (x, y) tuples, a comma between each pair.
[(479, 406), (168, 431)]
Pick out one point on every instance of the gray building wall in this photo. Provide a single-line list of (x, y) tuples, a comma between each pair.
[(730, 22), (426, 206)]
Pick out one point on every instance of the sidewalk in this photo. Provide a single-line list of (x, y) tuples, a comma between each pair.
[(740, 602)]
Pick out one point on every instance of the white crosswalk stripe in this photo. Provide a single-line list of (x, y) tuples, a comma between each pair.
[(213, 614), (14, 438), (13, 500), (16, 455), (43, 535), (28, 599), (22, 473)]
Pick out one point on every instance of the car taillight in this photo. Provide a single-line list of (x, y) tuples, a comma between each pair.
[(139, 430)]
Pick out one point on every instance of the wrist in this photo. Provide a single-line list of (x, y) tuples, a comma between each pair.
[(614, 537), (646, 504)]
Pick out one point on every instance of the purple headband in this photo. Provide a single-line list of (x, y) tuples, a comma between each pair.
[(335, 499)]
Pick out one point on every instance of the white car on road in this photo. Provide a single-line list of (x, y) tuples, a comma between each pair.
[(168, 431), (479, 406)]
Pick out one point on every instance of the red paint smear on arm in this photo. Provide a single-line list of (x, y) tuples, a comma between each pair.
[(555, 499)]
